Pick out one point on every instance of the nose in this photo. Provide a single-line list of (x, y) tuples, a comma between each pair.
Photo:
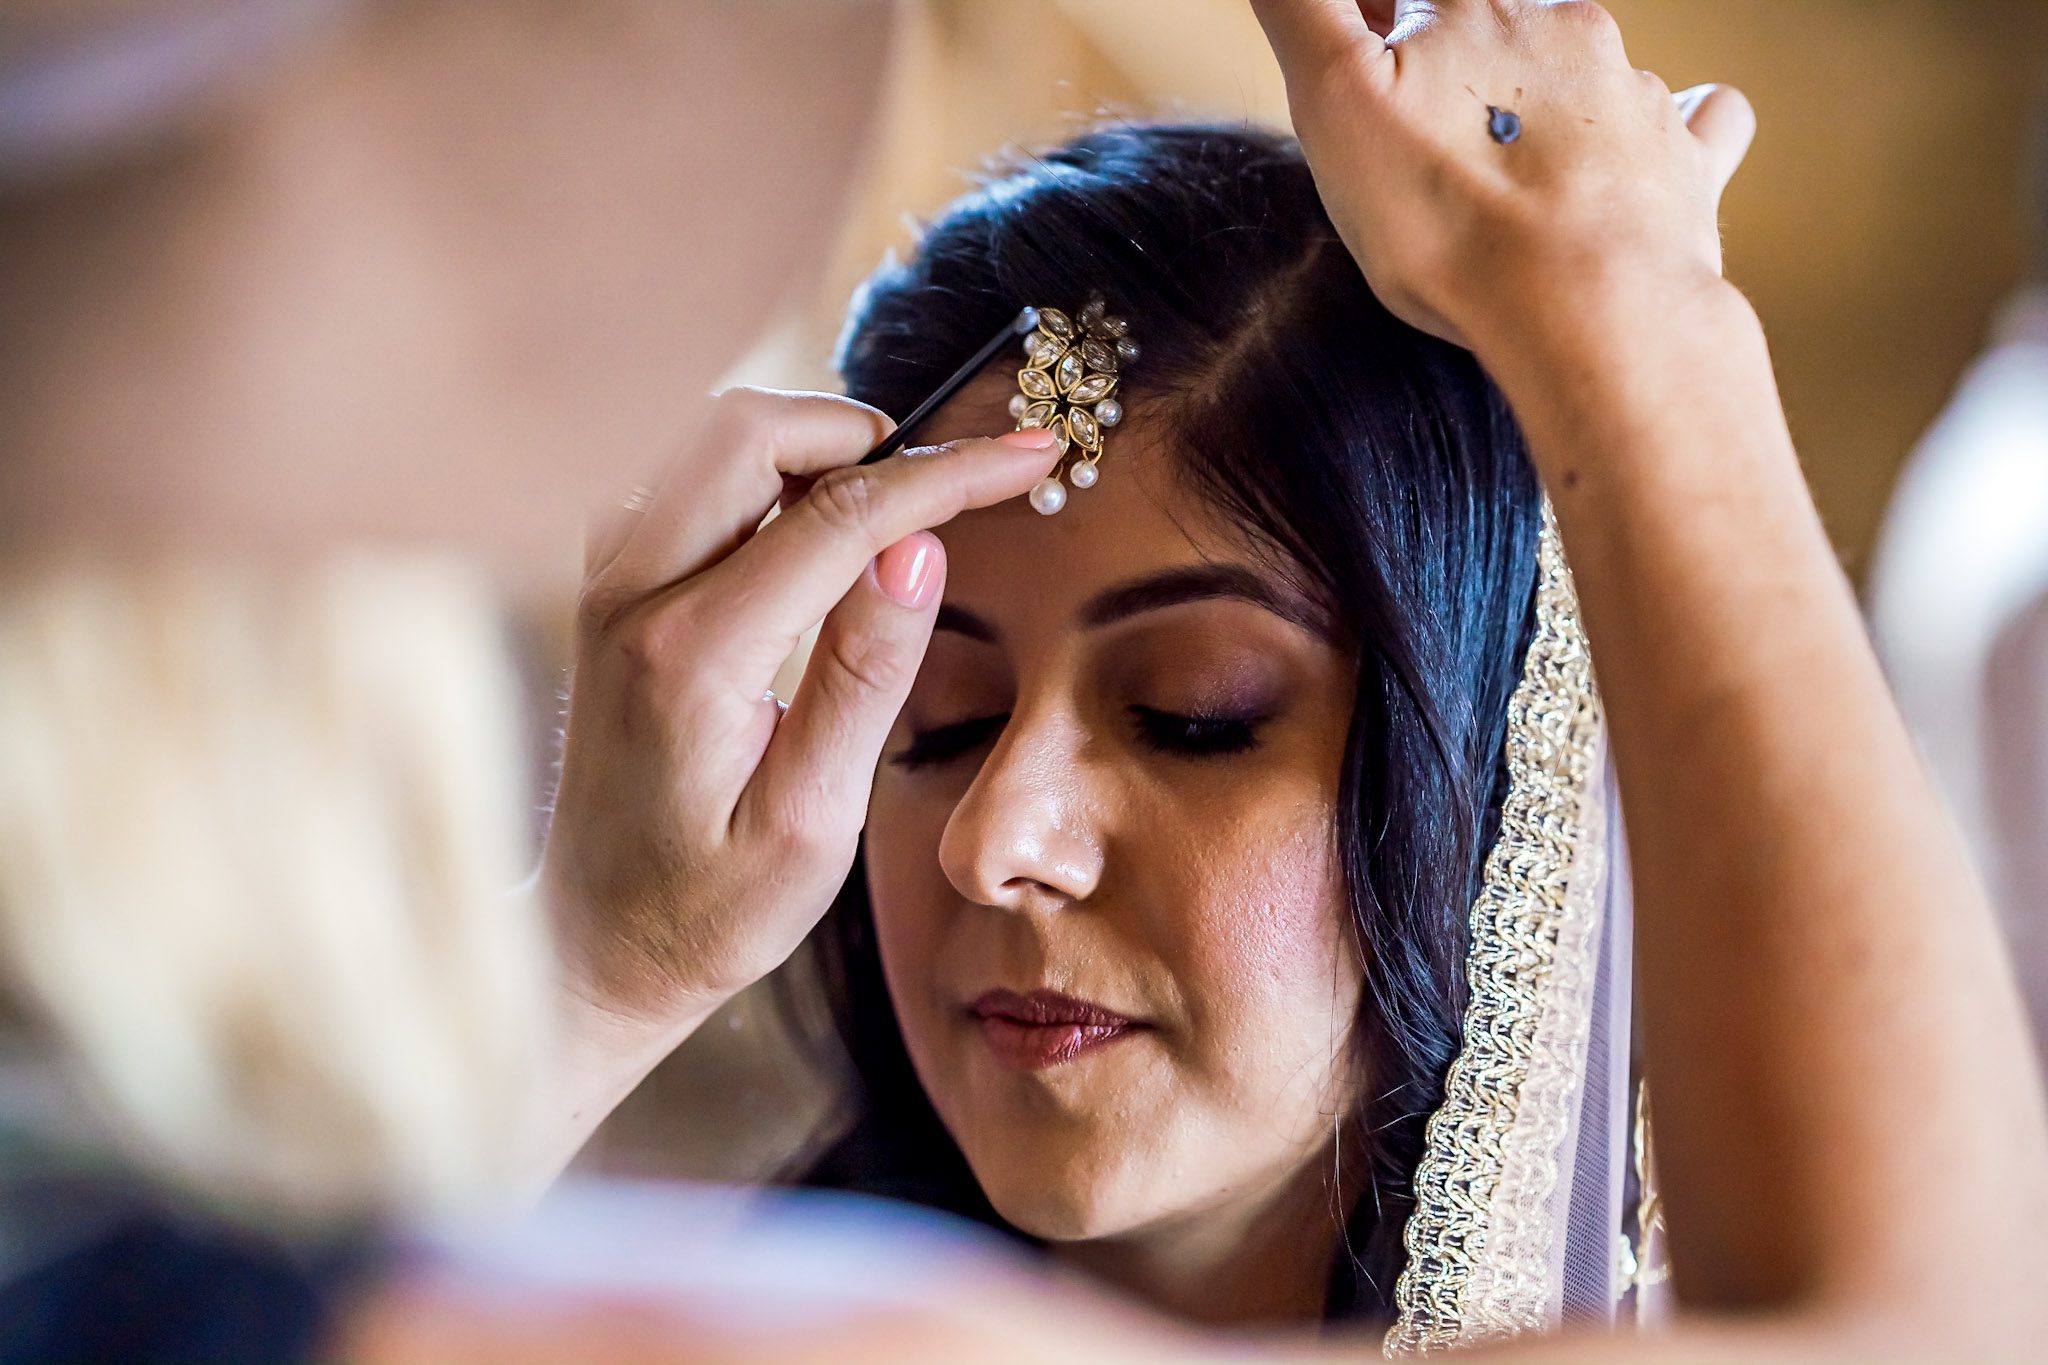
[(1022, 837)]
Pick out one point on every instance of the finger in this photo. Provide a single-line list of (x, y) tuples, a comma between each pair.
[(1411, 17), (820, 765), (785, 579), (1722, 118), (713, 497), (1311, 35)]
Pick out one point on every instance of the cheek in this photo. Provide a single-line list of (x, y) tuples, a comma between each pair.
[(1282, 913), (1265, 953)]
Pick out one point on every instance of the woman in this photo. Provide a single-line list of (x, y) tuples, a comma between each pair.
[(1825, 1008), (1249, 733)]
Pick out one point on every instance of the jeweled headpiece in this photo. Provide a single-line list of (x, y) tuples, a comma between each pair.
[(1068, 386)]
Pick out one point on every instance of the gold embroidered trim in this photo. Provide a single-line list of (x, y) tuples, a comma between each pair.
[(1485, 1219), (1645, 1264)]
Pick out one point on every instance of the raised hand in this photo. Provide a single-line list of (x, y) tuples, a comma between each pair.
[(1608, 184)]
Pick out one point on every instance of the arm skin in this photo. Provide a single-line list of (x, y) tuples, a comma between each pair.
[(600, 1057), (1849, 1115)]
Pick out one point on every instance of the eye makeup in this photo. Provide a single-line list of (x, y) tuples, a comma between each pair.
[(1198, 736), (1195, 687), (944, 743), (1205, 735)]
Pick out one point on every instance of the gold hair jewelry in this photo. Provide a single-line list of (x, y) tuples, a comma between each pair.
[(1068, 386)]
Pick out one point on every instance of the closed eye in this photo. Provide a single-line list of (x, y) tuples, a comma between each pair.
[(943, 744), (1196, 736)]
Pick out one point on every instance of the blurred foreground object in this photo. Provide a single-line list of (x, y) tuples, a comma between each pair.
[(402, 271), (258, 850), (296, 295)]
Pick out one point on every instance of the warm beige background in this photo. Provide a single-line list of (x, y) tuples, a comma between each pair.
[(1877, 226)]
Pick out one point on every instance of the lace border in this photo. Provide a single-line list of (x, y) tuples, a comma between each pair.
[(1479, 1240)]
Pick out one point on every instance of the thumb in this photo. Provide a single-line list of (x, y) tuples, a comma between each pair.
[(1721, 117), (820, 765)]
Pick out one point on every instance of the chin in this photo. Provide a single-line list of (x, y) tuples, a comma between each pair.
[(1063, 1197)]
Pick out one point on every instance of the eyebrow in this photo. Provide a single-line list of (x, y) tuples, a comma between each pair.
[(1156, 592)]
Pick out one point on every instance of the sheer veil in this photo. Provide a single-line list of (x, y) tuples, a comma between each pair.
[(1519, 1220)]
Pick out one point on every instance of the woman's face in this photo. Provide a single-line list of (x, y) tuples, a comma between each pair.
[(1103, 863)]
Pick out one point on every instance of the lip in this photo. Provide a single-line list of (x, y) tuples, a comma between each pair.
[(1045, 1028)]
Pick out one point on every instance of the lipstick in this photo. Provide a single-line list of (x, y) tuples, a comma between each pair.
[(1045, 1029)]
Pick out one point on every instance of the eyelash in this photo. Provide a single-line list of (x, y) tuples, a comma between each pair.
[(1197, 736), (929, 748), (1163, 731)]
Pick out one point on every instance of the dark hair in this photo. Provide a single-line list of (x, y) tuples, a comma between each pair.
[(1374, 464)]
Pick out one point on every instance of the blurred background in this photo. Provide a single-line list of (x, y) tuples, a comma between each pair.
[(1877, 226), (1884, 222)]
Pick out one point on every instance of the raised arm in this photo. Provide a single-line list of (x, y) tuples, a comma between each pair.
[(1851, 1125)]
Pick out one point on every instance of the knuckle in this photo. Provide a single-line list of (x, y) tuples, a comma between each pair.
[(1588, 15), (1587, 26), (656, 640), (803, 830), (845, 499), (874, 663), (1331, 78), (748, 402), (599, 608), (747, 416), (1654, 85)]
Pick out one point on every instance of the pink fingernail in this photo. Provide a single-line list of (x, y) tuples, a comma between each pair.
[(908, 571), (1031, 438)]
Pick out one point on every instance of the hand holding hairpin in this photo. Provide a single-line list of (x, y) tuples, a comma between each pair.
[(1068, 386)]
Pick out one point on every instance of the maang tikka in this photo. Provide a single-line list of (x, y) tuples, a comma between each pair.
[(1068, 386)]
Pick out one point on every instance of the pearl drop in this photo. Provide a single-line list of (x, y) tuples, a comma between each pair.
[(1018, 402), (1109, 412), (1083, 474), (1048, 496)]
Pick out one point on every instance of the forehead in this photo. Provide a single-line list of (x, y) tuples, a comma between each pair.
[(1138, 518)]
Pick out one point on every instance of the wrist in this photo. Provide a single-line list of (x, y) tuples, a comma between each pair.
[(599, 1057), (600, 1039), (1612, 375), (1604, 321), (612, 987)]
